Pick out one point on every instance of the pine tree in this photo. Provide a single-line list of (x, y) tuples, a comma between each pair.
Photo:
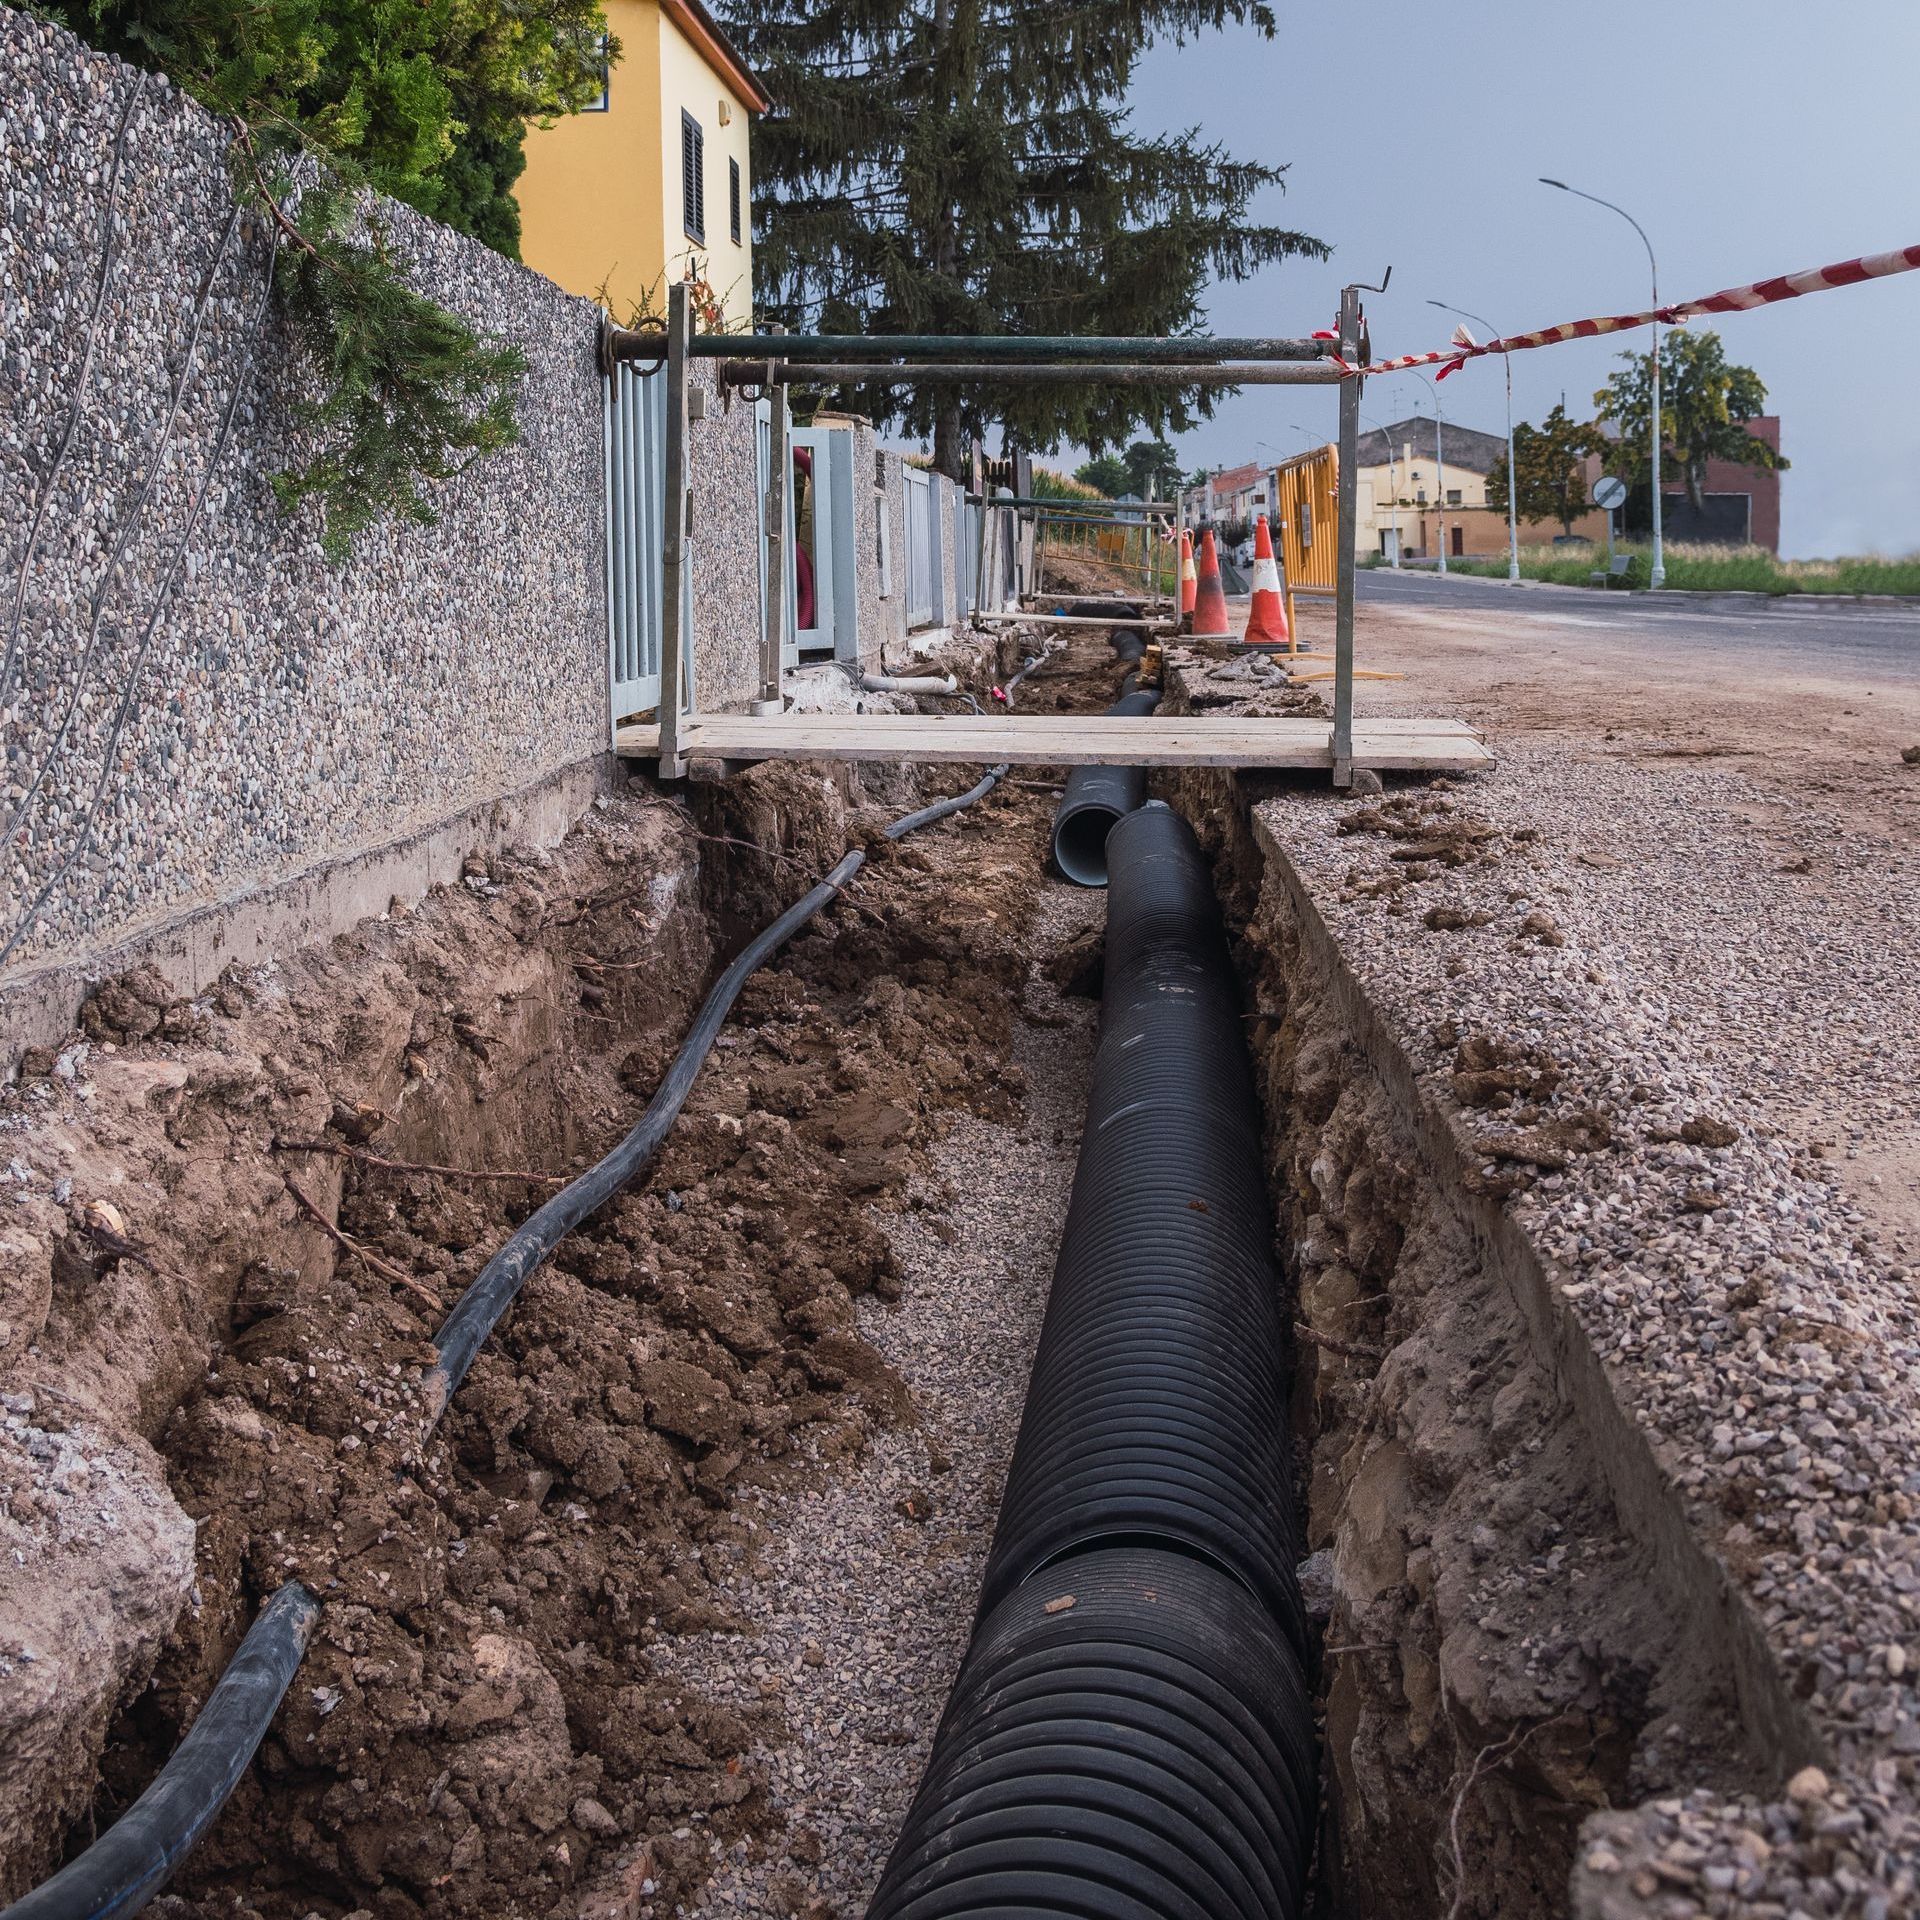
[(969, 167)]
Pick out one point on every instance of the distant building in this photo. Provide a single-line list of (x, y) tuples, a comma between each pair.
[(1740, 505), (1230, 496), (1402, 494), (619, 201)]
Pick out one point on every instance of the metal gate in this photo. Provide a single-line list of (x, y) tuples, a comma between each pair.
[(634, 444), (966, 551), (763, 451), (813, 532), (923, 549)]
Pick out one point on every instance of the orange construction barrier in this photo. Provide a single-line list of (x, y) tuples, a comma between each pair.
[(1210, 597), (1267, 625)]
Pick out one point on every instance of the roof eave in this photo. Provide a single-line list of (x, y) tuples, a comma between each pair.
[(707, 34)]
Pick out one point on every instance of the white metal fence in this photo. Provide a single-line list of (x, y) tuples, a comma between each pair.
[(634, 440), (924, 607)]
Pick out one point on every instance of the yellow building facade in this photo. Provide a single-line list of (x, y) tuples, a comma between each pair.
[(620, 201)]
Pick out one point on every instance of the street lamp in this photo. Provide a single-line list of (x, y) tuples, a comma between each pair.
[(1393, 489), (1657, 574), (1440, 461), (1513, 478)]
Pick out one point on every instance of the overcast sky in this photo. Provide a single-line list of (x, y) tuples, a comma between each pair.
[(1749, 138)]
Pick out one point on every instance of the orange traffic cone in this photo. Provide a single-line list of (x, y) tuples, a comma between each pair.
[(1189, 580), (1210, 597), (1267, 625)]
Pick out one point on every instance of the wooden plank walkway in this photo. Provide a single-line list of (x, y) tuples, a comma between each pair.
[(1200, 740)]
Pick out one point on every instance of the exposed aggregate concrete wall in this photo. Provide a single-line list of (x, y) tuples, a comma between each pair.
[(191, 714)]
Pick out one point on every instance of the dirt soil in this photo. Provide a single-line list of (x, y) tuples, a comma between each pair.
[(478, 1727)]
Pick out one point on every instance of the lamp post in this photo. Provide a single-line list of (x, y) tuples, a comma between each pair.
[(1393, 489), (1439, 461), (1657, 573), (1513, 479)]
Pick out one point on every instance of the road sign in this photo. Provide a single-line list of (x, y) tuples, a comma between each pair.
[(1609, 491)]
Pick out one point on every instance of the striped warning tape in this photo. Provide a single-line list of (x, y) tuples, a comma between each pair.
[(1760, 293)]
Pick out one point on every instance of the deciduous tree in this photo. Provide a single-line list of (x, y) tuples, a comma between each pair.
[(1705, 405), (1551, 462), (1108, 473)]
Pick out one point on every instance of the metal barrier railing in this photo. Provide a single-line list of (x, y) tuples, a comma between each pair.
[(775, 361)]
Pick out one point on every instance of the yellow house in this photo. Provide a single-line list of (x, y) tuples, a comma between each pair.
[(618, 201)]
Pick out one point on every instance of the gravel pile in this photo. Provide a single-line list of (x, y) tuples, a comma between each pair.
[(862, 1594), (1679, 1031)]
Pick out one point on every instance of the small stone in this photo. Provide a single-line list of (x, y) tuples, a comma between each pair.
[(1603, 1860), (1808, 1786)]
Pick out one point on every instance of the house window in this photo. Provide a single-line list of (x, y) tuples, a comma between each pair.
[(733, 199), (600, 52), (1453, 496), (693, 177), (1420, 498)]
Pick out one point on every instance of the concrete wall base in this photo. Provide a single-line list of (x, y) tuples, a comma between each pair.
[(257, 924)]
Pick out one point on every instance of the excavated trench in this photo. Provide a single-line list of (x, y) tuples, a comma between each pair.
[(309, 1165), (495, 1715), (1499, 1658)]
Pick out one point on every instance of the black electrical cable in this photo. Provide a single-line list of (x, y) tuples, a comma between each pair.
[(137, 1855), (477, 1312)]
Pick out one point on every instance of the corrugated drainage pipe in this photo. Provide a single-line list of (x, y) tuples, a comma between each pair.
[(1130, 1734), (1095, 799)]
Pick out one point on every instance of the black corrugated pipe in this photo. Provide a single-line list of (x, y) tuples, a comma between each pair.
[(128, 1865), (1130, 1734), (1095, 798)]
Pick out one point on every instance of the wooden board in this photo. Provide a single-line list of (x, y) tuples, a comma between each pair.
[(1201, 740)]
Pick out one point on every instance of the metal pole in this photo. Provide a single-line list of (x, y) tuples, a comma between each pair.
[(632, 343), (773, 641), (1039, 373), (1513, 480), (674, 639), (1393, 494), (1657, 575), (1348, 519), (1440, 482)]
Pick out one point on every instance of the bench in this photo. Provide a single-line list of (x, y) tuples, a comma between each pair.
[(1618, 572)]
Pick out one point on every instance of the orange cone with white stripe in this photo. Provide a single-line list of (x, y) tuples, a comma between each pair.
[(1189, 580), (1267, 625), (1210, 597)]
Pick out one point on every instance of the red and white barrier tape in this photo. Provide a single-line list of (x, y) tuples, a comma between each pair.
[(1760, 293)]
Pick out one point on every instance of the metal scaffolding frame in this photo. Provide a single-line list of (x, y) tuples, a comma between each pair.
[(776, 361)]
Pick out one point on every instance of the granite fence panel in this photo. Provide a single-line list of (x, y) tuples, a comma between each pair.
[(891, 616), (945, 494), (723, 474), (195, 701)]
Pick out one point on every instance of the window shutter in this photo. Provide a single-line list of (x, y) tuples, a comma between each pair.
[(693, 177), (733, 198)]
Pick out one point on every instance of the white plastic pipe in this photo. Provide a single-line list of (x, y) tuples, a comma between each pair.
[(925, 683)]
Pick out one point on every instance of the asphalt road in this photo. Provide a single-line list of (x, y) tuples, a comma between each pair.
[(1857, 636)]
